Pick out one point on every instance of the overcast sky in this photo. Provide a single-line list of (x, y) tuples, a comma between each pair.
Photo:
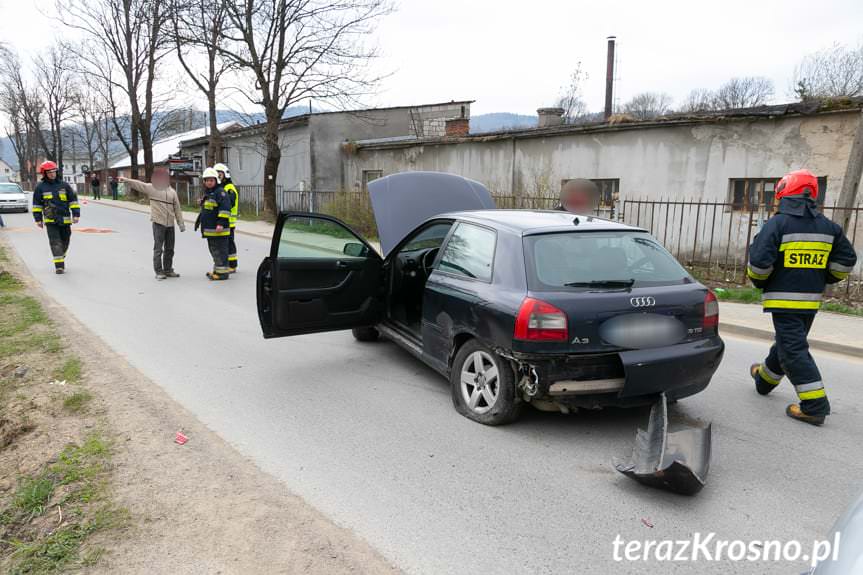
[(513, 56)]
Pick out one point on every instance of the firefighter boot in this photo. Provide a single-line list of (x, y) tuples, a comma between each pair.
[(762, 386), (794, 412)]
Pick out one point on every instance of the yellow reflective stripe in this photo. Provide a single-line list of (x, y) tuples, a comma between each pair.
[(74, 206), (59, 260), (224, 214), (767, 377), (37, 208), (817, 394), (216, 234), (839, 275), (819, 246), (790, 304), (208, 204), (47, 196), (756, 276)]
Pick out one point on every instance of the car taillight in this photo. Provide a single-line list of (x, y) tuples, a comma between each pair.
[(711, 311), (540, 321)]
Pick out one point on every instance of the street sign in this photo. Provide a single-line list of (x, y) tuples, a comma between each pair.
[(181, 164)]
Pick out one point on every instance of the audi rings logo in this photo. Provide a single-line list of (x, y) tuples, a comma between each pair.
[(642, 301)]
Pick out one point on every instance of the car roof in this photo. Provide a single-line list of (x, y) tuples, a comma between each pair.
[(529, 222)]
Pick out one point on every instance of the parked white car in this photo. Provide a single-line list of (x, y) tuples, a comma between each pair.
[(13, 198)]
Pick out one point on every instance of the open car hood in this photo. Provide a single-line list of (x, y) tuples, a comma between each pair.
[(403, 201)]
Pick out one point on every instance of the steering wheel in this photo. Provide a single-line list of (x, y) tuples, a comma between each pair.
[(427, 261)]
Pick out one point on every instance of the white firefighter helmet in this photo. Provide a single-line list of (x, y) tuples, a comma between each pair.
[(210, 173), (220, 167)]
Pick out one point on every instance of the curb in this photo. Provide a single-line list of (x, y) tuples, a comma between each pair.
[(744, 330), (146, 210)]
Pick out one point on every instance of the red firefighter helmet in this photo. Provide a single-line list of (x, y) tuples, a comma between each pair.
[(47, 166), (797, 183)]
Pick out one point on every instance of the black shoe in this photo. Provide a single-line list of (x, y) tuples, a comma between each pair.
[(172, 274), (160, 276), (794, 412), (761, 386)]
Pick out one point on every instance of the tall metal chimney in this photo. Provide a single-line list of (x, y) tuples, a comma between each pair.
[(609, 78)]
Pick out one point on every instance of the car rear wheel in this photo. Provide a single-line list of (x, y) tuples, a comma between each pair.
[(483, 386), (366, 334)]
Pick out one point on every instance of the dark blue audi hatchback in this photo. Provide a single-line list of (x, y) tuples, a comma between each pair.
[(514, 307)]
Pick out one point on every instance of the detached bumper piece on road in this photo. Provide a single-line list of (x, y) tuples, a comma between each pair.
[(677, 461)]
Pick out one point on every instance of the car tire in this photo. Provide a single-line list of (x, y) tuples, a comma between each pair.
[(483, 386), (366, 333)]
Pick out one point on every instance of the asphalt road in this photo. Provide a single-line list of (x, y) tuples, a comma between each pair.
[(369, 436)]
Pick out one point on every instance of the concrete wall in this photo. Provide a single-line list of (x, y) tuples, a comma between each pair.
[(692, 161), (330, 131), (246, 154)]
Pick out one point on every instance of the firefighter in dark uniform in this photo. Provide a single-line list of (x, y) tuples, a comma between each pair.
[(793, 257), (215, 223), (234, 197), (56, 208)]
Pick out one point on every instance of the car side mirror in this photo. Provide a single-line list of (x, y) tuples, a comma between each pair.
[(355, 250)]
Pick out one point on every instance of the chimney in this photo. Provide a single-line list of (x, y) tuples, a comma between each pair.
[(609, 78), (457, 127), (550, 117)]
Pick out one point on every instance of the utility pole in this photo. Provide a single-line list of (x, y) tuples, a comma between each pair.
[(609, 79), (853, 173)]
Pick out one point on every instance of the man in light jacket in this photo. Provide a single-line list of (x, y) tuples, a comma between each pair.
[(165, 210)]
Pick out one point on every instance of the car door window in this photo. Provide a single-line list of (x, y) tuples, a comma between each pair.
[(469, 252), (311, 237), (430, 237)]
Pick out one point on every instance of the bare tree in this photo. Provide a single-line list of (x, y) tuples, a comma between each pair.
[(127, 41), (744, 92), (198, 25), (56, 89), (90, 112), (832, 73), (571, 99), (294, 50), (698, 100), (648, 105)]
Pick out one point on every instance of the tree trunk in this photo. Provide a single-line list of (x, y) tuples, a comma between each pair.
[(853, 174), (214, 149), (271, 166)]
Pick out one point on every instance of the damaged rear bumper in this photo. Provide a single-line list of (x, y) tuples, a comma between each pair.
[(623, 379)]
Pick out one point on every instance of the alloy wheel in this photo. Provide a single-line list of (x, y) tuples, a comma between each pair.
[(480, 383)]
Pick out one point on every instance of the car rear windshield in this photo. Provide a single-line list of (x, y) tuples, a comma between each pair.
[(586, 260), (9, 189)]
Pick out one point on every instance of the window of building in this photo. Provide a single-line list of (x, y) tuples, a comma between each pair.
[(757, 194), (609, 190), (239, 159), (469, 252), (370, 176)]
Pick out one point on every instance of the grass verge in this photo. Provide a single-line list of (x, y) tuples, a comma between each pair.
[(54, 484), (753, 295)]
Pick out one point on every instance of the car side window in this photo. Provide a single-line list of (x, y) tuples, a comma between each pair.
[(312, 237), (430, 237), (469, 252)]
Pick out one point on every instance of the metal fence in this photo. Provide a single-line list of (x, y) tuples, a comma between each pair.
[(713, 238), (252, 199)]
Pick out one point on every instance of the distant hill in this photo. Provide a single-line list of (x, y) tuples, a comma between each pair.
[(169, 122), (497, 121)]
